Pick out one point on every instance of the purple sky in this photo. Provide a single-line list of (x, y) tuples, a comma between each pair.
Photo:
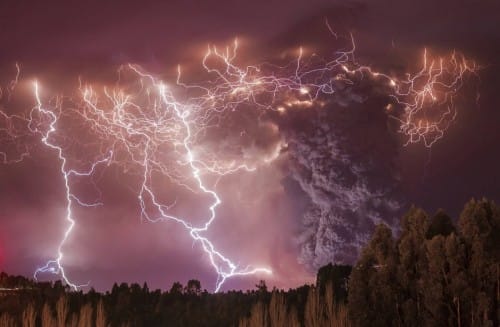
[(260, 218)]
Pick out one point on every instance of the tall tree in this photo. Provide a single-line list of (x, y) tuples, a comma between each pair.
[(29, 316), (278, 310), (373, 293), (85, 318), (336, 314), (47, 317), (100, 320), (458, 280), (259, 316), (479, 226), (62, 311), (437, 299), (6, 320), (412, 264), (314, 310)]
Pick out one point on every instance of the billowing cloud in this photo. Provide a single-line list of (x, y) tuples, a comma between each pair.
[(342, 156)]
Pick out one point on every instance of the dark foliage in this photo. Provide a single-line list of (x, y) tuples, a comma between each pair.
[(434, 274)]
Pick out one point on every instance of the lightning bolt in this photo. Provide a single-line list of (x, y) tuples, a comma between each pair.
[(145, 127), (55, 266)]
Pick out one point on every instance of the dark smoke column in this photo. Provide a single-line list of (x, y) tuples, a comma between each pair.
[(342, 157)]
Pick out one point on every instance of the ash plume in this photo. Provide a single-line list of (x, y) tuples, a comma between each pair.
[(342, 157)]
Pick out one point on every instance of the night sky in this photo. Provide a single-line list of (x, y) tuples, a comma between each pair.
[(302, 209)]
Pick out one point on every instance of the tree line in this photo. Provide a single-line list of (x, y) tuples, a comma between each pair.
[(431, 272)]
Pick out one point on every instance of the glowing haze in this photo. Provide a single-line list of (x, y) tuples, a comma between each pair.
[(244, 164)]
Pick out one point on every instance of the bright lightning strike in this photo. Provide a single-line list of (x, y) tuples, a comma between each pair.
[(144, 126), (55, 266)]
